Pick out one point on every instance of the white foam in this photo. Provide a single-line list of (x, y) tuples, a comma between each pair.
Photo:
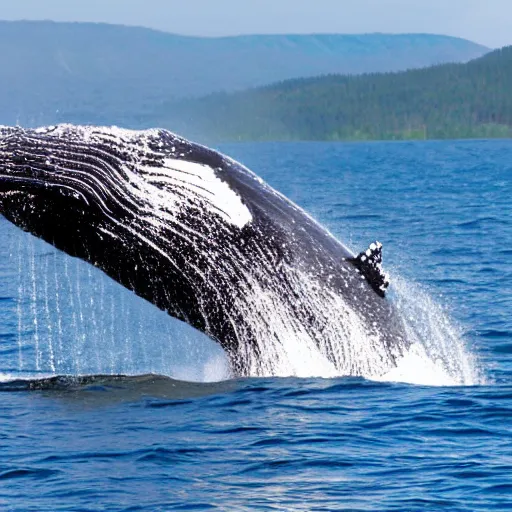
[(439, 355), (346, 344), (415, 367)]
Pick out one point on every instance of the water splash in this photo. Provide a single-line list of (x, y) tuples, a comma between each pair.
[(19, 298), (81, 334), (48, 317), (34, 303), (93, 325), (58, 315), (439, 355), (88, 324)]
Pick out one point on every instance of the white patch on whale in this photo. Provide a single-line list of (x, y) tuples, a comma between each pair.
[(201, 184), (155, 185)]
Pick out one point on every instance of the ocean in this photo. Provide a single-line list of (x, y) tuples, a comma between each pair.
[(176, 433)]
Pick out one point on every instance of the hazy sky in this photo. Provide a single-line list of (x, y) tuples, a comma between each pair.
[(485, 21)]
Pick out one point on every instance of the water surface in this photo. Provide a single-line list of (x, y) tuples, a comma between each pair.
[(442, 211)]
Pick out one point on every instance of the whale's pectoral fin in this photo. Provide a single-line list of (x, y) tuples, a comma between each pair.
[(369, 263)]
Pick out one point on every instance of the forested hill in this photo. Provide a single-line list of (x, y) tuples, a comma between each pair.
[(447, 101), (98, 73)]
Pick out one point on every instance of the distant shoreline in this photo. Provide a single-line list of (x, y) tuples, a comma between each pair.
[(450, 101), (356, 140)]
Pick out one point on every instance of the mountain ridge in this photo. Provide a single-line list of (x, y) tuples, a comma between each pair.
[(471, 100), (57, 71)]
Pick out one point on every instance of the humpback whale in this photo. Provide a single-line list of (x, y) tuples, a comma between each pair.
[(205, 239)]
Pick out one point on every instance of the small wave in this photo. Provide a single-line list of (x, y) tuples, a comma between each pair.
[(503, 348), (34, 473), (478, 223), (366, 216), (39, 383), (114, 387), (494, 333)]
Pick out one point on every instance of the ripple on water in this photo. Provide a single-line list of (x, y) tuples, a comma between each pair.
[(151, 443)]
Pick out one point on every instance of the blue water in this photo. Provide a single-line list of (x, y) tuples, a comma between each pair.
[(443, 211)]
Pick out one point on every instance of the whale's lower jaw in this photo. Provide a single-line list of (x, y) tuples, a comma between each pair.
[(204, 239)]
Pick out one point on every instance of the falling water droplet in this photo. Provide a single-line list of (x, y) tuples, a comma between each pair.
[(49, 323), (57, 294), (19, 305), (33, 304)]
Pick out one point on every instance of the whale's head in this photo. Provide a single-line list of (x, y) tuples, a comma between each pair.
[(48, 186), (71, 185), (47, 189)]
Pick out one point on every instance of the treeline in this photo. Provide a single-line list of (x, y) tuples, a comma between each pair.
[(106, 74), (445, 101)]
